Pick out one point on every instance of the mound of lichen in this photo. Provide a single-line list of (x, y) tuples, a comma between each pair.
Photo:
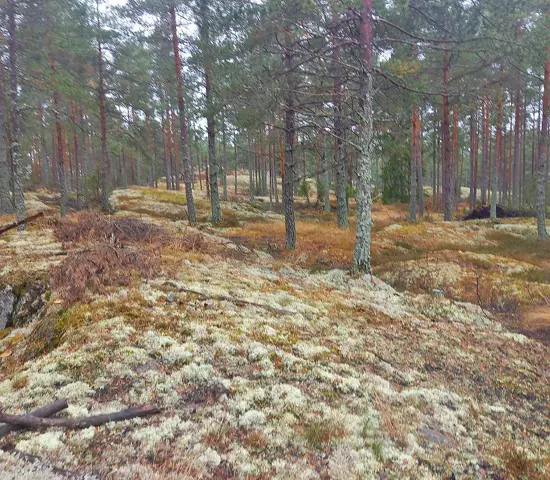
[(265, 370)]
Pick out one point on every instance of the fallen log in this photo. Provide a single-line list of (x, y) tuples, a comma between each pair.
[(45, 411), (10, 226), (31, 421)]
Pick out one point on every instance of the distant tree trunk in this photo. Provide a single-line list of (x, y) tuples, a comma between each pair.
[(123, 169), (207, 175), (288, 176), (105, 167), (434, 157), (456, 165), (175, 150), (498, 154), (473, 156), (204, 30), (15, 119), (44, 160), (324, 174), (6, 205), (338, 154), (275, 187), (362, 254), (198, 162), (517, 144), (236, 161), (167, 148), (187, 175), (415, 161), (250, 167), (543, 155), (224, 160), (77, 158), (522, 183), (419, 168), (59, 142), (485, 109), (270, 159), (447, 157)]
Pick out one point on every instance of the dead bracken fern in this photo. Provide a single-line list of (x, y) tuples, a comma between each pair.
[(92, 226), (100, 266)]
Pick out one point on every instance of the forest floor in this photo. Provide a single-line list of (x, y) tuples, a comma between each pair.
[(276, 364)]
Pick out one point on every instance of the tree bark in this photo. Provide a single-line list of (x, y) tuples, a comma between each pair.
[(187, 176), (236, 162), (473, 156), (517, 145), (77, 158), (456, 166), (543, 156), (419, 168), (250, 166), (362, 253), (486, 114), (415, 154), (498, 155), (289, 160), (447, 157), (224, 160), (59, 142), (6, 205), (105, 167), (204, 31), (15, 118), (338, 154)]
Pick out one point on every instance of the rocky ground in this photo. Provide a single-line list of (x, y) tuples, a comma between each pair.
[(269, 364)]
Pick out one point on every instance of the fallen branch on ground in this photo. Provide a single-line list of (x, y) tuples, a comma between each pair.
[(46, 411), (31, 421), (10, 226), (237, 301)]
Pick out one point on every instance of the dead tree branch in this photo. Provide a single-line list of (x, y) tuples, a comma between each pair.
[(31, 421), (45, 411)]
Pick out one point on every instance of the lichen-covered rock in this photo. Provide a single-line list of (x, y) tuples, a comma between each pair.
[(7, 303)]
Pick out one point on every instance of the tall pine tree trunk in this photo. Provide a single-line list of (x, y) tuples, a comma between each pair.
[(415, 143), (224, 160), (486, 114), (517, 144), (473, 157), (105, 167), (59, 141), (362, 254), (6, 205), (15, 119), (204, 30), (498, 154), (447, 156), (289, 160), (187, 175), (543, 156), (339, 157)]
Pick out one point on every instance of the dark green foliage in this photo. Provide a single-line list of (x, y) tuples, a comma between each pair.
[(396, 171)]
